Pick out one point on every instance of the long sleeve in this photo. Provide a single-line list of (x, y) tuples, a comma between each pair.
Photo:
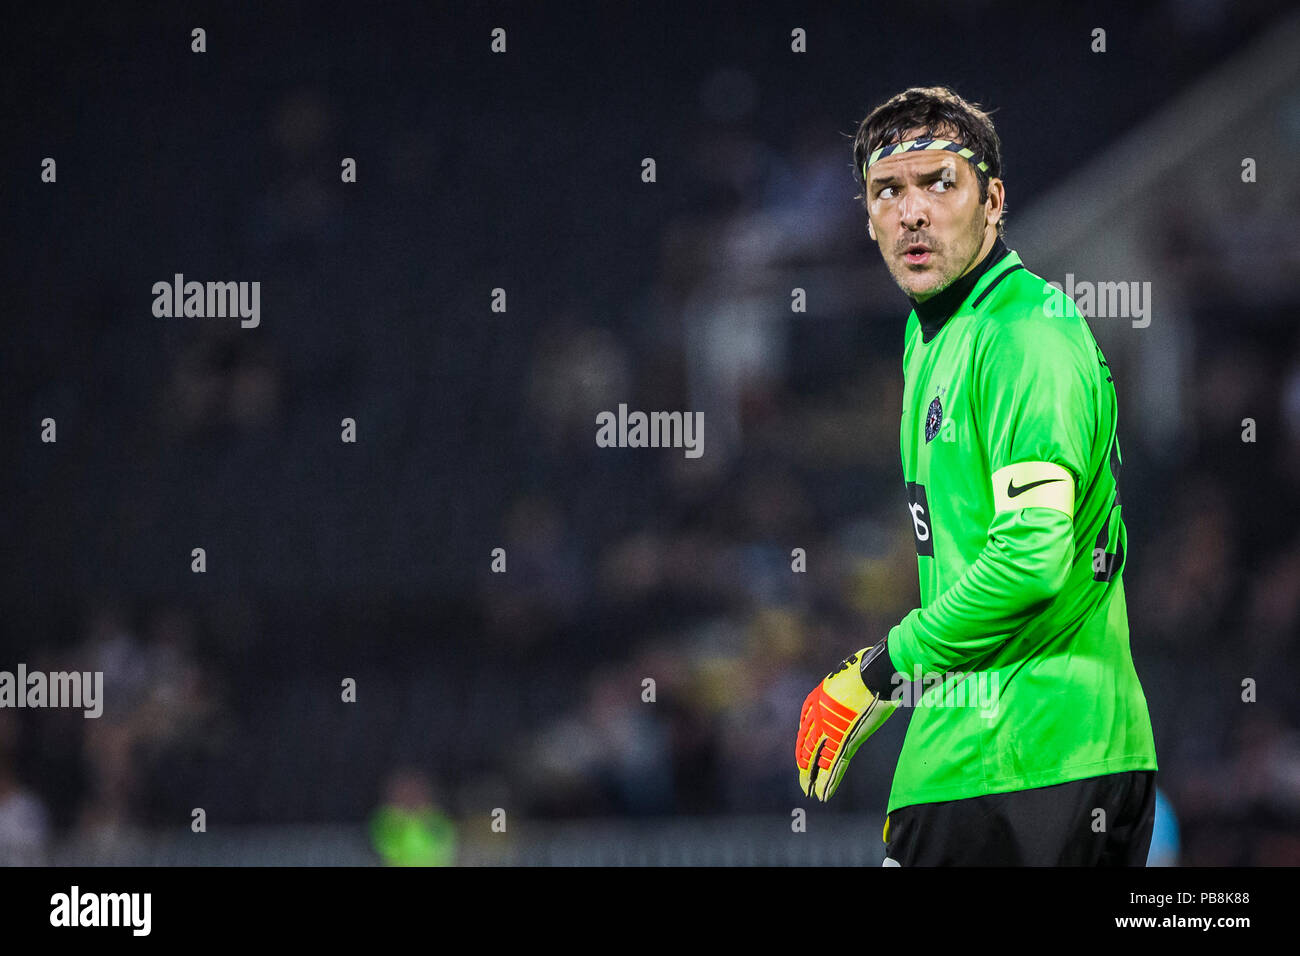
[(1035, 415)]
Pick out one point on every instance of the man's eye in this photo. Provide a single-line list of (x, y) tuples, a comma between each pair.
[(946, 182), (881, 194)]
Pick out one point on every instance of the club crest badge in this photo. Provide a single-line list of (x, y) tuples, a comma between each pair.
[(933, 419)]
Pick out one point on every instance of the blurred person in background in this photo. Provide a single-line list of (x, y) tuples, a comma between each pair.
[(409, 829), (24, 823)]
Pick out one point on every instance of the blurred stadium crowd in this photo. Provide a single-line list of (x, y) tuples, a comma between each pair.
[(524, 690)]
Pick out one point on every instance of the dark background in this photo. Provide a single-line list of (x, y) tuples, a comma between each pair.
[(328, 560)]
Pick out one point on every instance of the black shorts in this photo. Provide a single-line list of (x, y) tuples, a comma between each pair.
[(1047, 826)]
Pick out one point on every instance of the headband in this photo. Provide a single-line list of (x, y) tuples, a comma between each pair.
[(915, 145)]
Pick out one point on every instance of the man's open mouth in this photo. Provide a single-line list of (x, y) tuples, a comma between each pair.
[(917, 254)]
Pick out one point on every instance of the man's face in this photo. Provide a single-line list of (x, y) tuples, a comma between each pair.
[(930, 199)]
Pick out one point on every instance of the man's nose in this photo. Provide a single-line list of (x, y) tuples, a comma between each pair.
[(914, 211)]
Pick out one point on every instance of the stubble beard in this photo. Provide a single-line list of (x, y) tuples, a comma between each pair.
[(953, 271)]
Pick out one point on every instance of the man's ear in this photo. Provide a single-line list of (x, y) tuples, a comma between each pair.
[(870, 231), (997, 197)]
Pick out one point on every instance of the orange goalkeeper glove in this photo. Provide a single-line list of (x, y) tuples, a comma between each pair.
[(835, 719)]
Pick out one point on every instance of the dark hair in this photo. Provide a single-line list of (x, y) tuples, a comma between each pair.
[(940, 113)]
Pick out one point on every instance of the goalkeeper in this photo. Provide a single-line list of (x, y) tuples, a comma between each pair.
[(1029, 742)]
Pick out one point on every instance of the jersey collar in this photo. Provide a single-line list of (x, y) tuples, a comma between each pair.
[(938, 309)]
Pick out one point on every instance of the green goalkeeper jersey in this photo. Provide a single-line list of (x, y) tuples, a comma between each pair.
[(1011, 460)]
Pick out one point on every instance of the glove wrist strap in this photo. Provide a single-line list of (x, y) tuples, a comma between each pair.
[(877, 671)]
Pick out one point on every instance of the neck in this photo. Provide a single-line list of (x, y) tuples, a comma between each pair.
[(939, 308)]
